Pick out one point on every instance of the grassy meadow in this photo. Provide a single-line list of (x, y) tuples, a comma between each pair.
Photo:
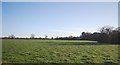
[(58, 51)]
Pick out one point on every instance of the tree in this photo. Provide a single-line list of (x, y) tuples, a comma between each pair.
[(117, 29), (114, 37), (52, 38), (11, 36), (46, 36), (32, 36), (106, 29), (86, 36)]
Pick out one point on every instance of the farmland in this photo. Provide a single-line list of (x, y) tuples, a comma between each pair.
[(58, 51)]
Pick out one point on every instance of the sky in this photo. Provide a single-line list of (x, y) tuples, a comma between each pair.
[(56, 18), (60, 0), (0, 19)]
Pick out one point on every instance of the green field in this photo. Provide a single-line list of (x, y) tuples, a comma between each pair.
[(58, 51)]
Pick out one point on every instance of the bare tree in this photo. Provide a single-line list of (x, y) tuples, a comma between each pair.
[(11, 36), (32, 36), (52, 38), (106, 29), (46, 36), (70, 36), (118, 29)]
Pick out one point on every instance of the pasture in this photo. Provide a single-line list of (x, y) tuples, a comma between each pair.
[(58, 51)]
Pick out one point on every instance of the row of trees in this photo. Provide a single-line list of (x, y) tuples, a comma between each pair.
[(31, 37), (106, 34)]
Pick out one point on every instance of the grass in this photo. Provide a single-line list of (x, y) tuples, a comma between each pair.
[(0, 51), (58, 51)]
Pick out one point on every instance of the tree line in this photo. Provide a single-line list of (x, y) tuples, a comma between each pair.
[(106, 34)]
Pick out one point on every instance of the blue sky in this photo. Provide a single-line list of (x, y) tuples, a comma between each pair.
[(57, 18), (60, 0), (0, 19)]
